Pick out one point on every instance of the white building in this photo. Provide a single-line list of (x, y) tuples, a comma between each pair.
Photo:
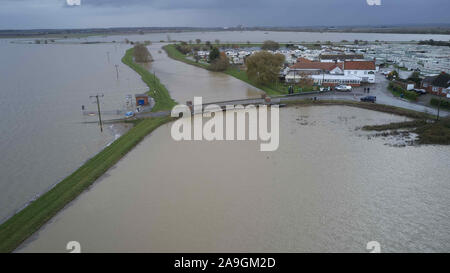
[(327, 79), (362, 69)]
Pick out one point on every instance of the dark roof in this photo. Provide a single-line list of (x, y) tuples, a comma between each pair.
[(359, 65), (442, 80), (429, 79), (141, 95), (301, 59), (309, 65), (341, 56)]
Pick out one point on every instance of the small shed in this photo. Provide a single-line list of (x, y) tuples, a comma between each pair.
[(141, 99)]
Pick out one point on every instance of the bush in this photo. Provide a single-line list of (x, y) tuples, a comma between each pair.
[(444, 103), (220, 64), (270, 45), (398, 90), (141, 54), (183, 48), (214, 54)]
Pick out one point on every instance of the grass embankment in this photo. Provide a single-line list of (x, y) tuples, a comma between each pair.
[(435, 133), (158, 91), (173, 53), (444, 103), (395, 125), (22, 225)]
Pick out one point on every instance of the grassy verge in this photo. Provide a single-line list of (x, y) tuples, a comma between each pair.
[(445, 103), (435, 133), (158, 91), (22, 225), (242, 75), (395, 125), (173, 53)]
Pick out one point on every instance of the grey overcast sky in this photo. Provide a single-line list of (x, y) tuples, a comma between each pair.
[(25, 14)]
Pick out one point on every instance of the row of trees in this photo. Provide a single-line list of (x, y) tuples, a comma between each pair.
[(434, 43), (262, 67)]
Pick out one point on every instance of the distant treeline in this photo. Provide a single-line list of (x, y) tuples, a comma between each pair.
[(434, 43), (439, 29)]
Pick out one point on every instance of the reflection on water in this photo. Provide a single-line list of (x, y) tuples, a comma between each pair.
[(326, 188)]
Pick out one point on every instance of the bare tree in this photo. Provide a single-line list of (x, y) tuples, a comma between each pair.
[(141, 54)]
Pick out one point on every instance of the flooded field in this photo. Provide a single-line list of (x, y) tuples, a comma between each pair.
[(327, 188), (43, 134), (44, 137)]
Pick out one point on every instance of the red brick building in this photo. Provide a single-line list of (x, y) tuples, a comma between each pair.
[(436, 84)]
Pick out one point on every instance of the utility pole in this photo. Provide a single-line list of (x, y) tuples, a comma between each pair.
[(117, 71), (439, 106), (98, 108)]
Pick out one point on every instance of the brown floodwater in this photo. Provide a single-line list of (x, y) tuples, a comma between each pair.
[(44, 136), (329, 187), (186, 81)]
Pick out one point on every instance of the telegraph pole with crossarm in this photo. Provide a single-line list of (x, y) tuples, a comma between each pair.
[(98, 108)]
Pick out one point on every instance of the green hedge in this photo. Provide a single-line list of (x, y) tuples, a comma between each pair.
[(445, 104), (397, 90)]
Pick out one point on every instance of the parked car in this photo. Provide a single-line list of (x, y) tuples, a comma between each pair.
[(129, 114), (369, 99), (420, 91), (347, 88)]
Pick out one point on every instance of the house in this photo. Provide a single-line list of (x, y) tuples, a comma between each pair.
[(305, 66), (333, 73), (437, 85), (363, 69)]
